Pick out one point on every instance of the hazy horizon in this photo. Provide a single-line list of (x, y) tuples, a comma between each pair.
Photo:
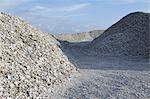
[(68, 16)]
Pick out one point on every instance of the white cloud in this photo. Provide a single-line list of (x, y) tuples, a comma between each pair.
[(40, 9), (131, 1), (134, 1), (4, 4), (124, 1), (70, 8), (55, 19), (74, 7)]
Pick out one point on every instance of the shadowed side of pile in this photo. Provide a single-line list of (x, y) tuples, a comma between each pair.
[(123, 46), (128, 37)]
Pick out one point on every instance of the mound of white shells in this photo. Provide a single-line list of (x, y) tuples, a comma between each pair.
[(31, 63)]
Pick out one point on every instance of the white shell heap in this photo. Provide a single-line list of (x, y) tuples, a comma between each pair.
[(31, 63)]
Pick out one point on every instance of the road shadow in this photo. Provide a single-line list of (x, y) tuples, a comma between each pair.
[(79, 54)]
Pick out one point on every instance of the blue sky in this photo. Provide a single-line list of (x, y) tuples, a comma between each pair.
[(69, 16)]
